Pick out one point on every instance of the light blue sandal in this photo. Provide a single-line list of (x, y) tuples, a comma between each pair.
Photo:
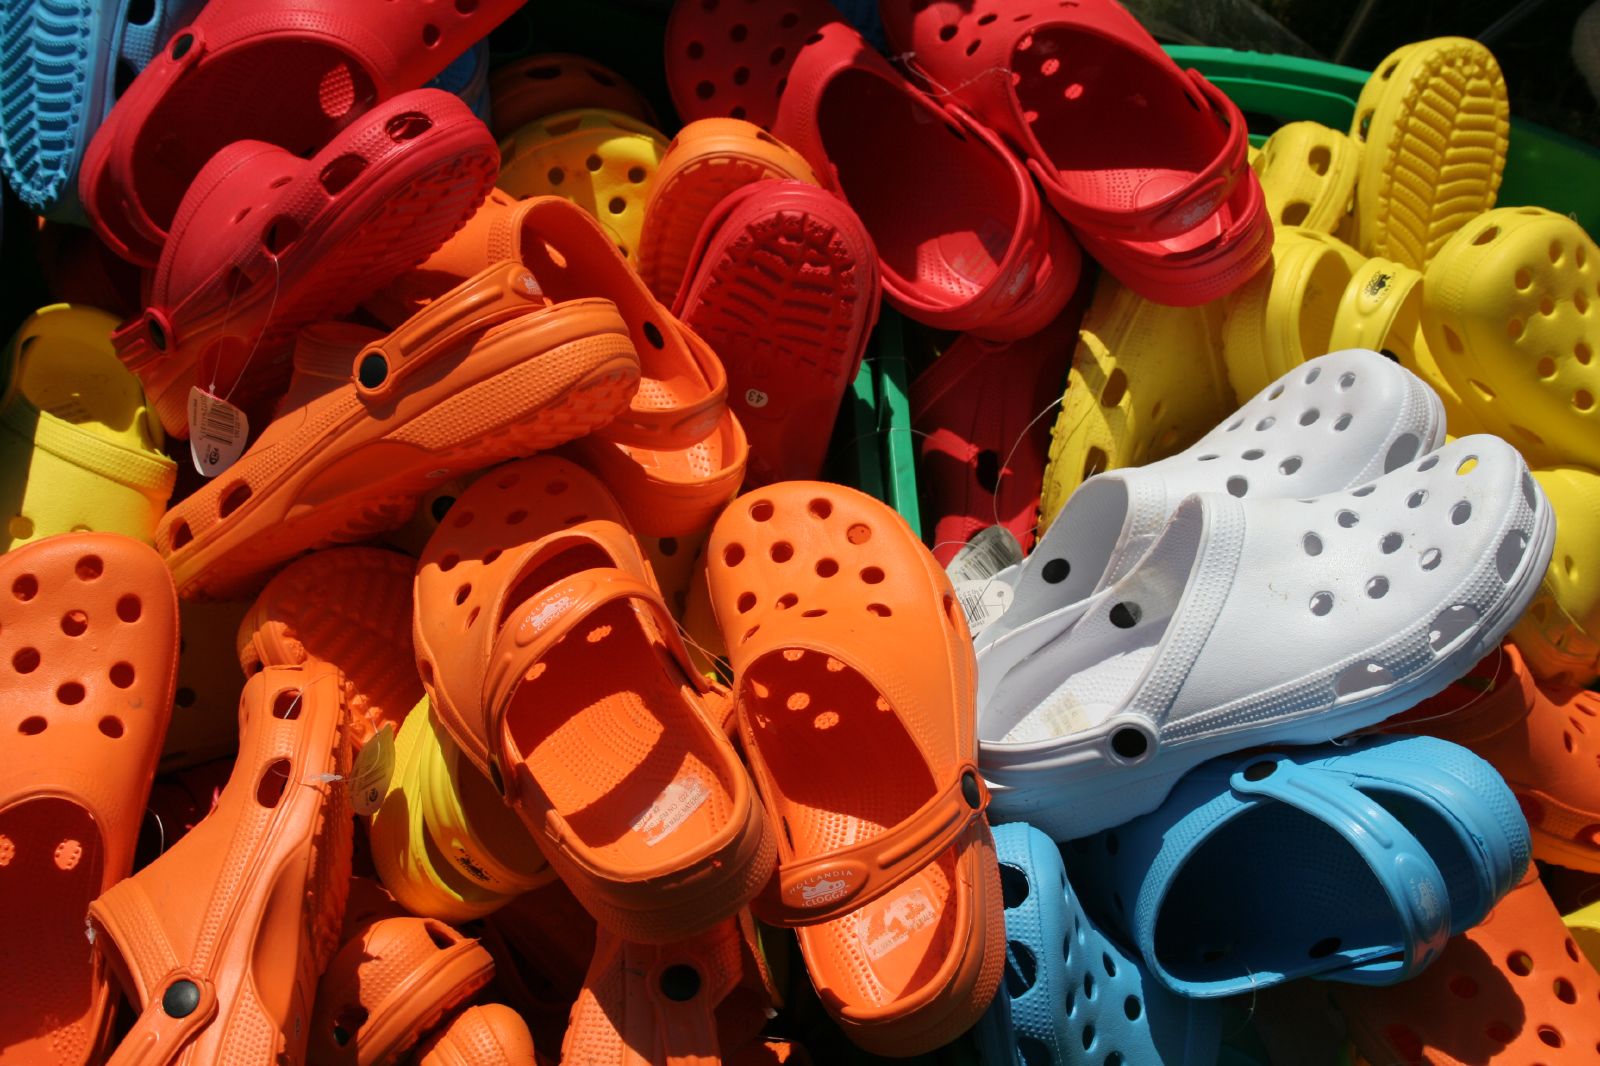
[(1076, 997), (1351, 863), (63, 65)]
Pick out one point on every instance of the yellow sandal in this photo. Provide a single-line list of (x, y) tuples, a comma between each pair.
[(1433, 121), (1284, 315), (1559, 634), (1308, 175), (603, 161), (81, 447), (1146, 381)]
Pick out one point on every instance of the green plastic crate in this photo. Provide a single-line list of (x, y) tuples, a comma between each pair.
[(1543, 168)]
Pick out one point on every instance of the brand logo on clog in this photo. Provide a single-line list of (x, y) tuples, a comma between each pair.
[(824, 888)]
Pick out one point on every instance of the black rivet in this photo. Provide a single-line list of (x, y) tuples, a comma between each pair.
[(1056, 571), (1259, 771), (158, 336), (374, 371), (1129, 742), (180, 999), (181, 45), (1125, 615), (680, 983), (969, 789)]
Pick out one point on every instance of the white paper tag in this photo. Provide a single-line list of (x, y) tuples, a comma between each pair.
[(983, 602), (883, 927), (217, 432), (671, 809), (990, 551), (369, 780)]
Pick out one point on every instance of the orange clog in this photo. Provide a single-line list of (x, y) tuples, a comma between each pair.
[(706, 161), (395, 978), (673, 1004), (551, 659), (488, 371), (489, 1034), (350, 607), (854, 680), (220, 940), (1544, 742), (1513, 991), (89, 636)]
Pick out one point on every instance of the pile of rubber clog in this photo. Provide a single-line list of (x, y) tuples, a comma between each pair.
[(437, 630)]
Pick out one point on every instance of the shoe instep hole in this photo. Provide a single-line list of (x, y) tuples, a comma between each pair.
[(1583, 353), (462, 593), (1207, 458), (1402, 451), (1309, 416), (122, 674), (348, 1023), (1115, 1059), (1348, 519), (494, 553), (1450, 625), (89, 568), (448, 562), (1088, 1030), (761, 510), (1125, 615), (25, 661), (1460, 512), (1252, 454), (732, 555), (616, 206), (1550, 1035), (1115, 389), (1342, 423), (827, 567), (111, 726), (786, 601), (1238, 486), (1313, 374), (1416, 499), (1290, 465), (74, 623), (337, 175), (1520, 963), (1547, 306), (815, 612), (1295, 212), (1055, 571), (32, 725), (1108, 964), (1391, 543), (1022, 968), (1583, 400), (233, 499), (1266, 423), (286, 704), (1088, 993), (1094, 462), (1430, 559), (274, 780), (1321, 603), (1428, 464), (1486, 235), (443, 938), (25, 587), (1235, 424), (1312, 544), (782, 551), (879, 609), (1132, 1008), (1347, 380), (70, 693), (1377, 587), (1581, 301), (1364, 490), (555, 175), (1564, 990), (280, 235), (1509, 555), (872, 575), (517, 517), (1014, 887)]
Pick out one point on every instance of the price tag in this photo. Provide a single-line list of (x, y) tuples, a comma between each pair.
[(369, 780), (983, 601), (217, 432)]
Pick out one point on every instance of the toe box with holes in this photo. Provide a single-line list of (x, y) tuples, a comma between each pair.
[(550, 83), (1515, 989), (1352, 862), (89, 641), (1308, 173), (603, 161), (1510, 315), (1076, 995), (1260, 621), (1338, 421)]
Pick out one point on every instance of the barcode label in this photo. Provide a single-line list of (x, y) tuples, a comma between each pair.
[(983, 601), (217, 432), (990, 551)]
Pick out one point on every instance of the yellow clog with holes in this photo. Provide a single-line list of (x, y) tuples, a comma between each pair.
[(1308, 175), (1432, 120), (1559, 634), (80, 447), (1507, 311), (1147, 381), (1284, 315), (603, 161)]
